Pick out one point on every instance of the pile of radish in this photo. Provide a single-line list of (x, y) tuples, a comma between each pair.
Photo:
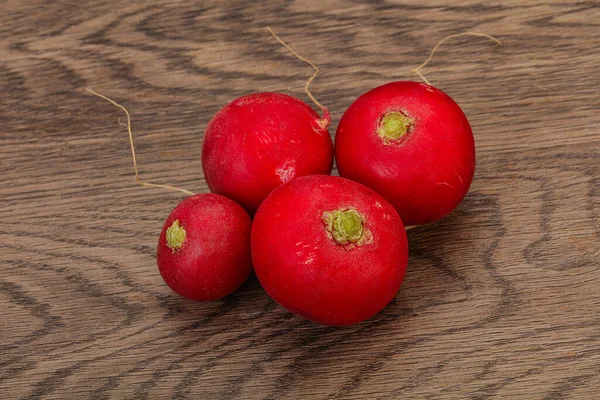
[(330, 249)]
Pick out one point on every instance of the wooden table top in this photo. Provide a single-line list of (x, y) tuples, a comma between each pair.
[(501, 298)]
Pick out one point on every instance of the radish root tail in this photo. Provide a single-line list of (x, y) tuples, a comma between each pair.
[(420, 67), (135, 165), (324, 122)]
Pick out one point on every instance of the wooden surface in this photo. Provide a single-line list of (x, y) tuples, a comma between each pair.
[(501, 299)]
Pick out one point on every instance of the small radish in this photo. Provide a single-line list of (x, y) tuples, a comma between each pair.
[(328, 249), (259, 141), (203, 251), (411, 143)]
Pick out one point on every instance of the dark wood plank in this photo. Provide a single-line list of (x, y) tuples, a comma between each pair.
[(501, 298)]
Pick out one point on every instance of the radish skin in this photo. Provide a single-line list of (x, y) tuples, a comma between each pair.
[(411, 143), (329, 250), (203, 250), (259, 141)]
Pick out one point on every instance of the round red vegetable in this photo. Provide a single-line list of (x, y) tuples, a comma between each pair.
[(204, 248), (259, 141), (412, 144), (328, 249)]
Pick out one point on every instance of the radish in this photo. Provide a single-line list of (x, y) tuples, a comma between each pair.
[(259, 141), (411, 143), (328, 249), (203, 250)]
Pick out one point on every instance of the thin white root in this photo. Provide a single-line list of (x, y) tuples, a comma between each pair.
[(135, 165), (420, 67), (309, 81)]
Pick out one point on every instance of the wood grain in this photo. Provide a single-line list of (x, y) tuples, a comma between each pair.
[(501, 299)]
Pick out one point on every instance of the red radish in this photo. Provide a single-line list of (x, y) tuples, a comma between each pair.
[(204, 248), (259, 141), (328, 249), (411, 143), (203, 251)]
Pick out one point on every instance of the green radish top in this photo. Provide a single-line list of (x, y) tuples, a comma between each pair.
[(394, 126), (346, 226), (175, 236)]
